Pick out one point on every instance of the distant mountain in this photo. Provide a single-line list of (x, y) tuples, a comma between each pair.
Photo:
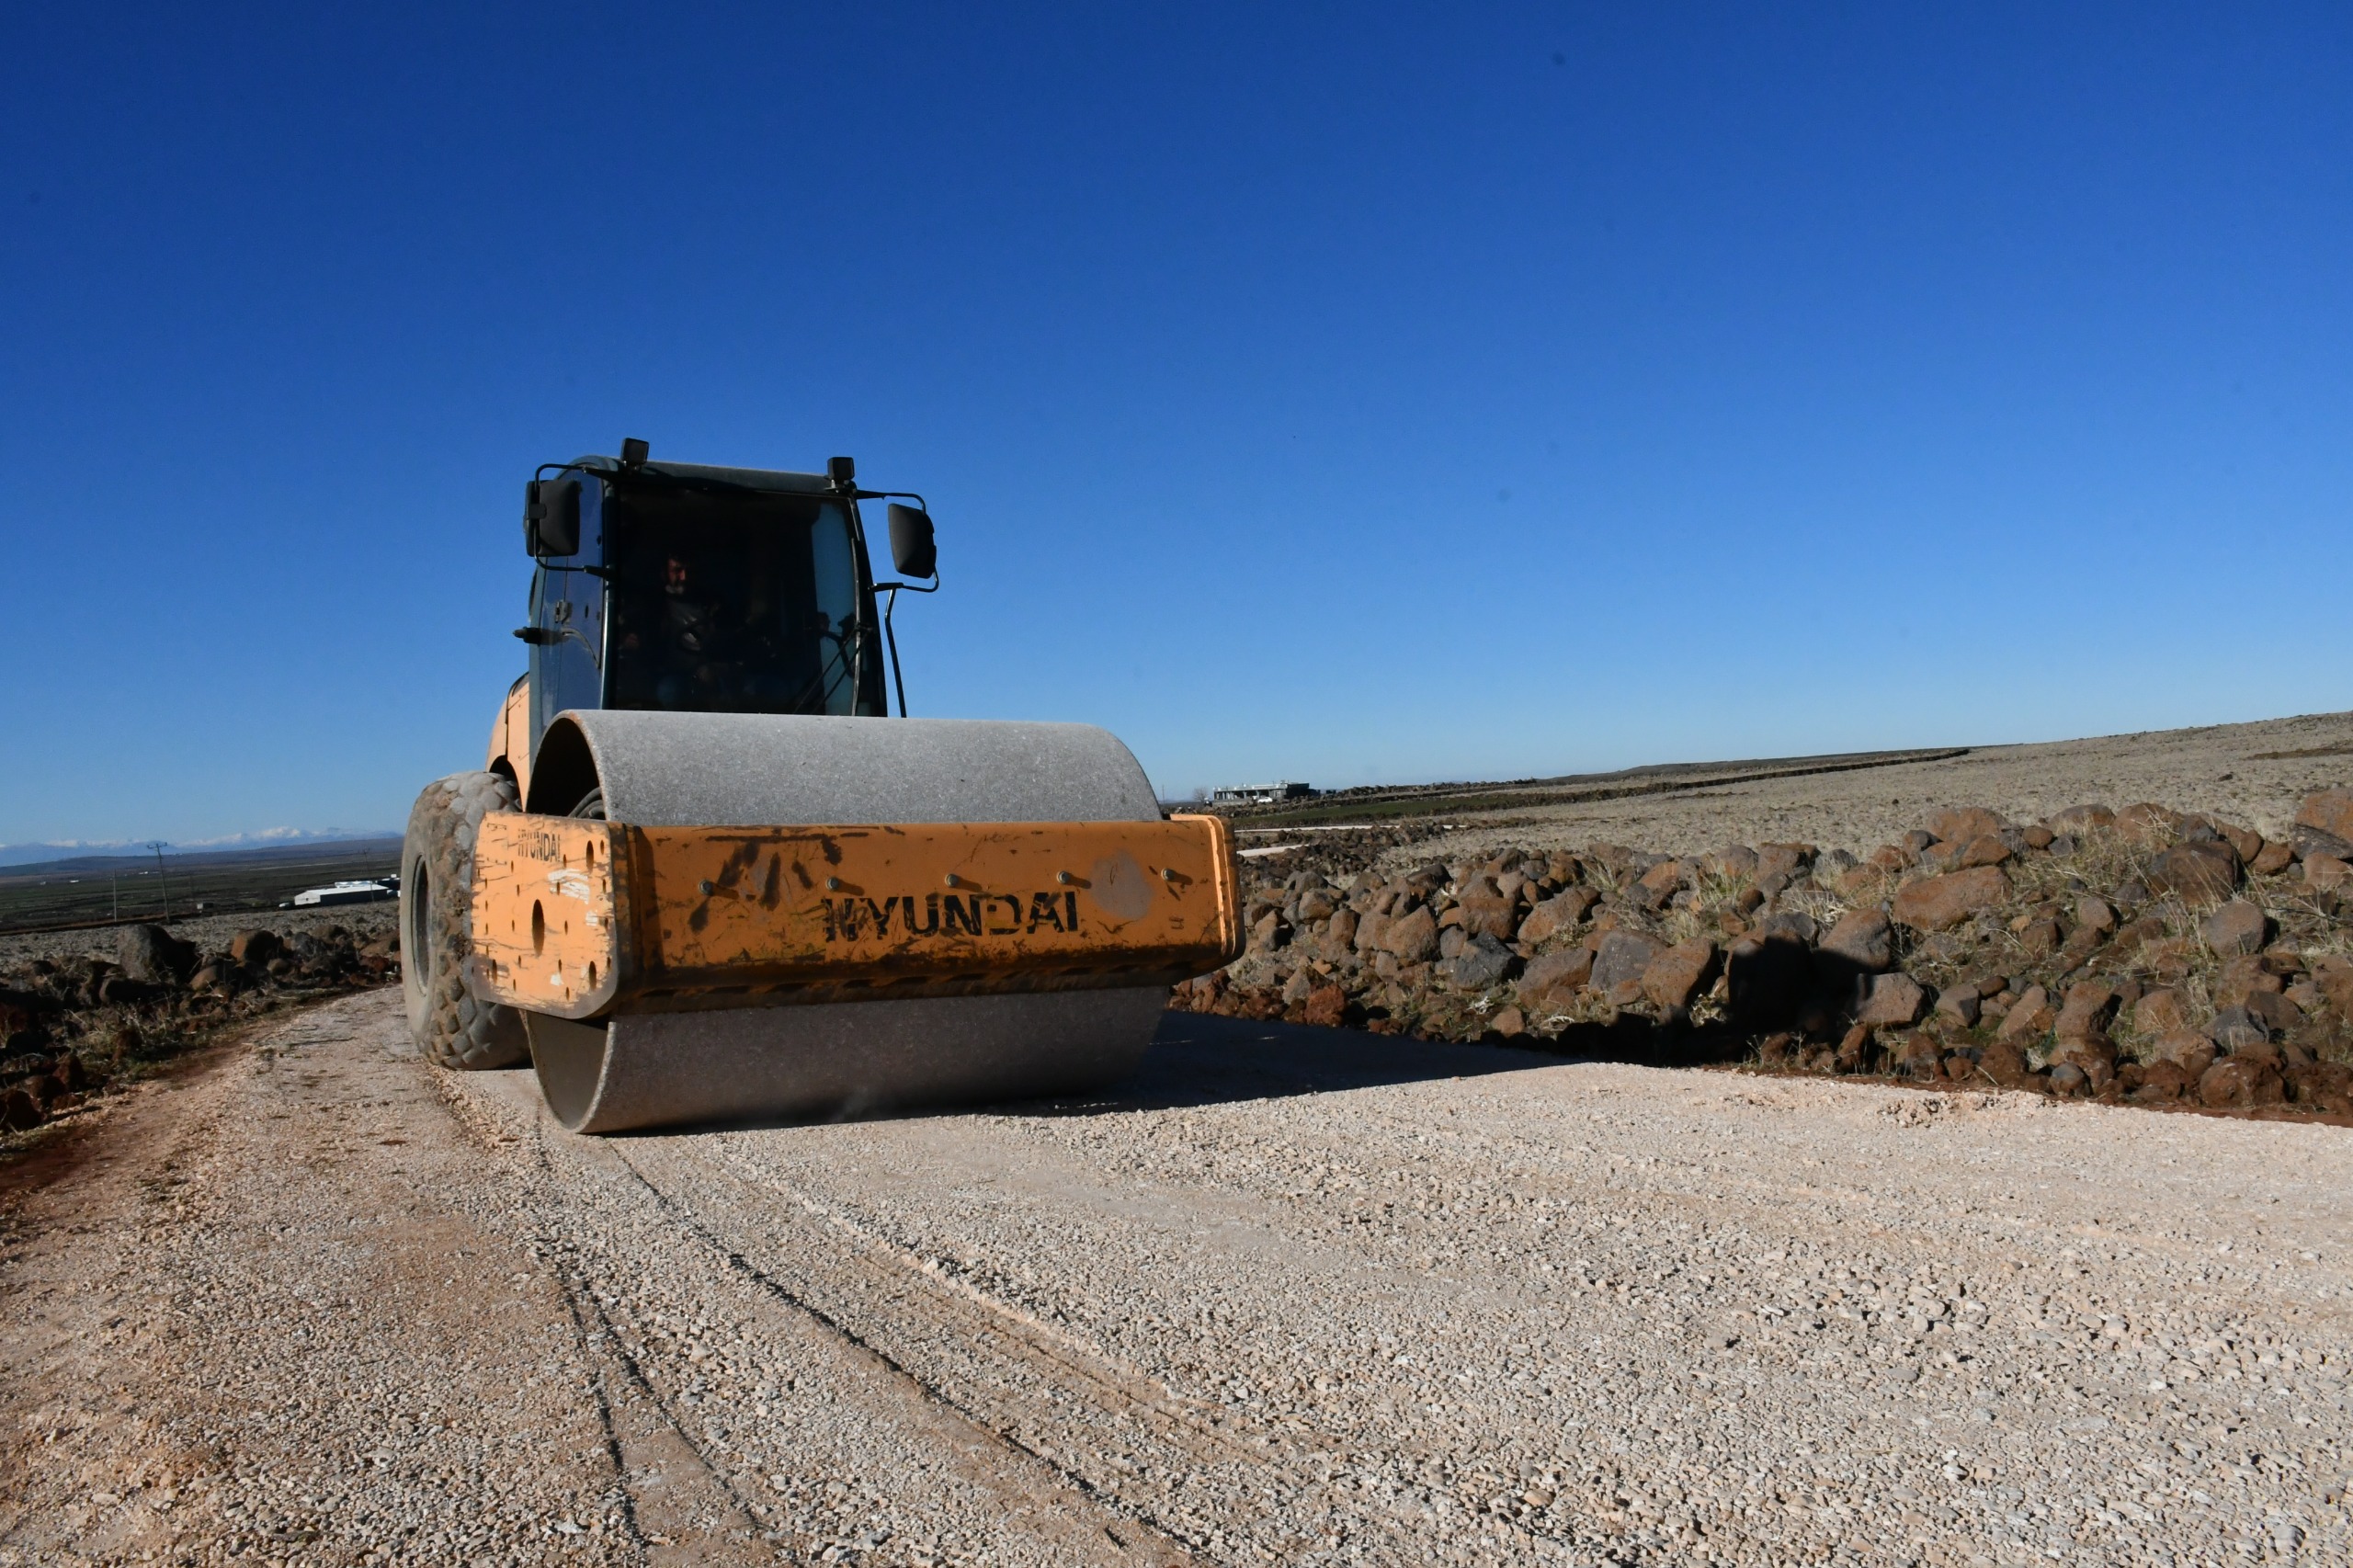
[(111, 849)]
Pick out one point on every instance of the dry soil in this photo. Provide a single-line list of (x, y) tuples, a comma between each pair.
[(2235, 771)]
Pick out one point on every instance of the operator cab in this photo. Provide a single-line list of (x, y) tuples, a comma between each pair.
[(735, 604), (711, 590)]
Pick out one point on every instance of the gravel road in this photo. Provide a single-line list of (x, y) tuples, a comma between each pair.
[(1298, 1296)]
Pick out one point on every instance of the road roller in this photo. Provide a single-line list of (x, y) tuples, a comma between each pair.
[(706, 874)]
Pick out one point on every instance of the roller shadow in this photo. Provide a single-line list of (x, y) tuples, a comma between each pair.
[(1200, 1059)]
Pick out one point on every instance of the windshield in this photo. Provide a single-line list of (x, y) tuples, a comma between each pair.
[(732, 602)]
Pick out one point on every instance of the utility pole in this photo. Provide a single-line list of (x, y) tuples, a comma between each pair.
[(114, 877), (158, 846)]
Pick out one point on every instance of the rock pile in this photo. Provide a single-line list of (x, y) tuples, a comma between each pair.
[(66, 1030), (2148, 955)]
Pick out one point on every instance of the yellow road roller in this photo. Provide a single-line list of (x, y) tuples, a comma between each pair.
[(705, 875)]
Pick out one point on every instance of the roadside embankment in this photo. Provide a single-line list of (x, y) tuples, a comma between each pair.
[(2147, 955), (73, 1020)]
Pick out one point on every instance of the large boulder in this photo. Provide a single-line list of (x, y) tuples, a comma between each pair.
[(1413, 938), (1484, 961), (1985, 849), (1864, 938), (1327, 1007), (1657, 885), (1778, 865), (1734, 860), (2329, 812), (1676, 976), (2235, 1028), (2160, 1011), (1623, 958), (255, 947), (2240, 976), (2245, 841), (1487, 910), (2237, 927), (2188, 1049), (2085, 1015), (2199, 872), (1959, 824), (1894, 1001), (2004, 1063), (2030, 1018), (2147, 824), (2277, 1013), (1551, 981), (152, 955), (2333, 976), (1560, 913), (2240, 1080), (2325, 1086), (1934, 903), (2080, 819)]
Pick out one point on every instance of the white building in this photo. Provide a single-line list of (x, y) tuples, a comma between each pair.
[(1259, 794), (343, 893)]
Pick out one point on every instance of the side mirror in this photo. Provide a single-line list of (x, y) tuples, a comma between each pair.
[(551, 517), (912, 549)]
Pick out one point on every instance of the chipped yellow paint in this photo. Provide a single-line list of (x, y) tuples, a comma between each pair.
[(545, 893), (579, 918), (510, 736)]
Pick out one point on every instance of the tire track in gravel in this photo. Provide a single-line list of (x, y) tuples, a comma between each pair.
[(868, 1342), (658, 1523), (1042, 1391), (1087, 1524)]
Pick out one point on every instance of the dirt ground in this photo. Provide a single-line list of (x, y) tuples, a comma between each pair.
[(2224, 770), (1295, 1297)]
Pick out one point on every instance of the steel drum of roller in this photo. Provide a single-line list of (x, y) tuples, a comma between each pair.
[(735, 1052)]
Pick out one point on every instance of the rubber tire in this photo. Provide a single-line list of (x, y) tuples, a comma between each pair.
[(451, 1026)]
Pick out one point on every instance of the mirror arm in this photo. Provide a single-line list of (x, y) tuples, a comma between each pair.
[(890, 641), (890, 637)]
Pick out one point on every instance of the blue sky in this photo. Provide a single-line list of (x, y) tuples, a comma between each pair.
[(1338, 393)]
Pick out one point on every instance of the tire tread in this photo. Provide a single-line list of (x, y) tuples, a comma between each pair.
[(452, 1027)]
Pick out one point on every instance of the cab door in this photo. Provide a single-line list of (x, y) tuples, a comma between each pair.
[(568, 601)]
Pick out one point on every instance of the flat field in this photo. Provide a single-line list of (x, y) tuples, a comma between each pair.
[(95, 889), (2250, 774)]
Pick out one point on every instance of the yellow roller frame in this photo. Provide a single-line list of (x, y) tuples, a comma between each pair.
[(579, 918)]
